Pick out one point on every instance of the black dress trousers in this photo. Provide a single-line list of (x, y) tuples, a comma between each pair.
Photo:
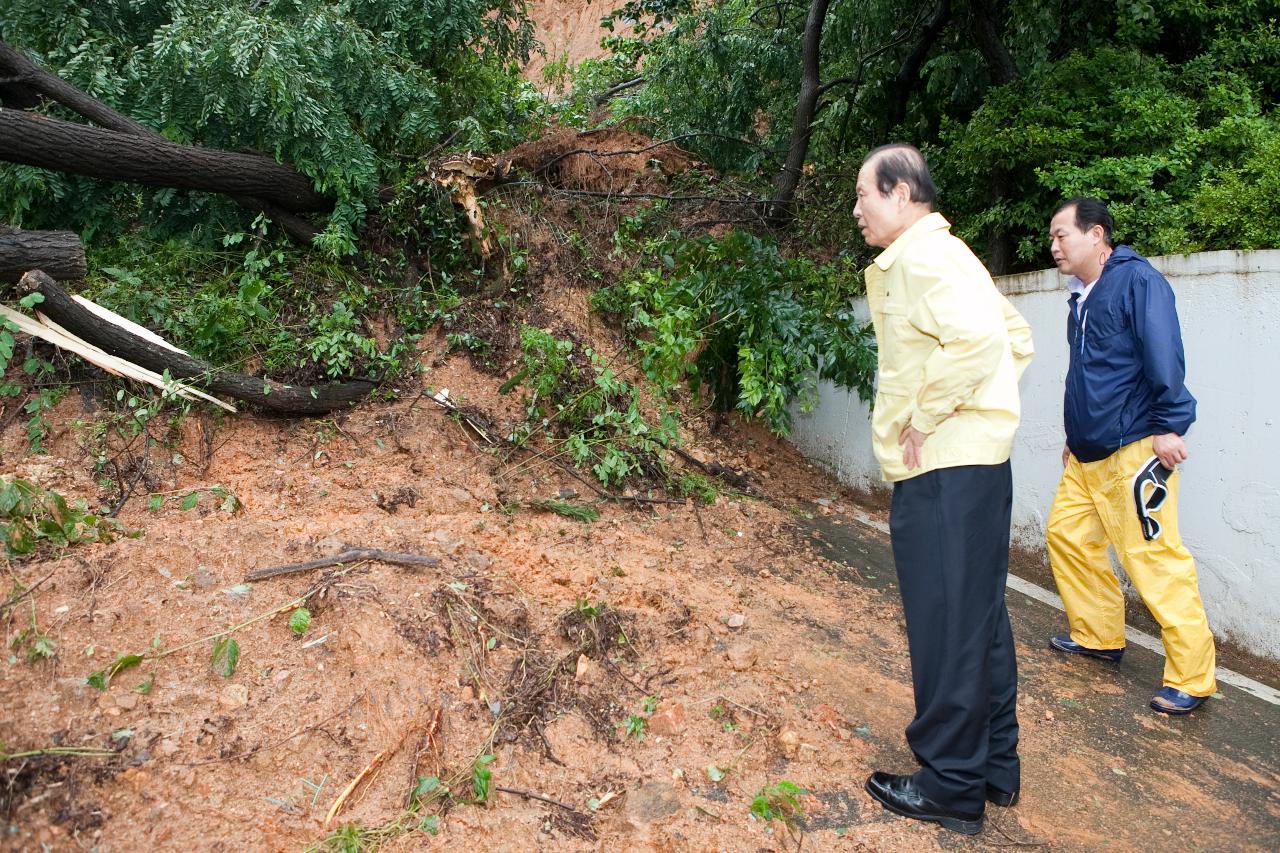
[(950, 532)]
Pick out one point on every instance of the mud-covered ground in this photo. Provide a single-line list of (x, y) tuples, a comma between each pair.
[(651, 672)]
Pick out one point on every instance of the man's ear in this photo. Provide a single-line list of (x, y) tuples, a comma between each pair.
[(902, 193), (1096, 231)]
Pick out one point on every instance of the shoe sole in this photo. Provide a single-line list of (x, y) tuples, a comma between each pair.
[(1173, 712), (1086, 653), (955, 824)]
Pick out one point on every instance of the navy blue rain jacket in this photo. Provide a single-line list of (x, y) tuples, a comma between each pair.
[(1125, 380)]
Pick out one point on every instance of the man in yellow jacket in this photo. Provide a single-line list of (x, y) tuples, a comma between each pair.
[(951, 351)]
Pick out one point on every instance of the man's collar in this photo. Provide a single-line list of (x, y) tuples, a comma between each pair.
[(1075, 285), (932, 221)]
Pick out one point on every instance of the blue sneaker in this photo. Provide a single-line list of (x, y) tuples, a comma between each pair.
[(1170, 700), (1064, 643)]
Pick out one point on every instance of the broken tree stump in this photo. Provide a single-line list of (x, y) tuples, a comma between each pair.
[(57, 253)]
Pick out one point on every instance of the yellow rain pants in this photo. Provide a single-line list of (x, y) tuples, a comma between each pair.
[(1094, 507)]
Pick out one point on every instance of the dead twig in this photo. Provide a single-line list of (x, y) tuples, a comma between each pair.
[(429, 742), (529, 795), (697, 513), (350, 555), (1011, 842), (6, 605)]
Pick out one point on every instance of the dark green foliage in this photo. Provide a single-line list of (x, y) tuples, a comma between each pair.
[(340, 90), (735, 315), (259, 304), (1166, 108), (756, 69), (1180, 153)]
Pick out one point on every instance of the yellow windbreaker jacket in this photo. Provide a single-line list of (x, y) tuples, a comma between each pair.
[(951, 351)]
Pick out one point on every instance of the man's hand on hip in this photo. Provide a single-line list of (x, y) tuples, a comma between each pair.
[(912, 441), (1169, 449), (1066, 455)]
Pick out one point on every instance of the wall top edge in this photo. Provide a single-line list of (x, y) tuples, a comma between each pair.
[(1230, 262)]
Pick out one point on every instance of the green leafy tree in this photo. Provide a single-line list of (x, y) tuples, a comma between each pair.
[(1164, 107)]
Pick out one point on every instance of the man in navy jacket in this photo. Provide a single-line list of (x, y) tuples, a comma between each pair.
[(1125, 412)]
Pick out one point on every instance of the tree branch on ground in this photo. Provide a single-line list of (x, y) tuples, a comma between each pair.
[(116, 340)]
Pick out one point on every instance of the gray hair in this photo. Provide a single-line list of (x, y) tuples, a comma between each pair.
[(901, 163)]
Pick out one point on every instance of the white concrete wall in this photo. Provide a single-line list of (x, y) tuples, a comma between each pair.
[(1229, 305)]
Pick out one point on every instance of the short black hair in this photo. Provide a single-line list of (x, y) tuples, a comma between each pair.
[(901, 163), (1090, 211)]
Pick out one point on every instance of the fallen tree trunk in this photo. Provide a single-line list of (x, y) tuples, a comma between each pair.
[(59, 307), (25, 83), (58, 253), (65, 146)]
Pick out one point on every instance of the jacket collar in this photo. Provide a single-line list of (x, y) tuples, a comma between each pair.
[(924, 225), (1075, 287)]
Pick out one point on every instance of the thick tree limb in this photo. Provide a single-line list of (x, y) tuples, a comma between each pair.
[(35, 79), (909, 72), (985, 25), (619, 88), (58, 253), (28, 82), (98, 153), (112, 338)]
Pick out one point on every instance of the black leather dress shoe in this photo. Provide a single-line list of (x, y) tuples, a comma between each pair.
[(1004, 799), (900, 795)]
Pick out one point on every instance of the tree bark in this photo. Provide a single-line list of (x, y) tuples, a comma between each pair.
[(58, 253), (68, 147), (27, 82), (35, 79), (986, 33), (909, 72), (59, 307), (985, 27), (781, 207)]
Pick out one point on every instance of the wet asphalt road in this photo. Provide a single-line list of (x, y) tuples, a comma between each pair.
[(1100, 770)]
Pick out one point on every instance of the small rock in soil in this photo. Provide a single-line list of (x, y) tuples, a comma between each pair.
[(737, 620), (789, 742), (742, 656), (651, 801), (234, 696), (202, 578), (668, 720), (449, 541), (588, 671)]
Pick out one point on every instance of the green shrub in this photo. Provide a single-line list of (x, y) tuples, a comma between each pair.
[(752, 326), (573, 397)]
